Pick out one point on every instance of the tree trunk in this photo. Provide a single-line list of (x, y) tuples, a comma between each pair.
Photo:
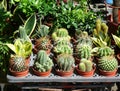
[(116, 15)]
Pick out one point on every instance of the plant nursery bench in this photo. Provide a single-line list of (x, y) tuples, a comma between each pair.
[(75, 81)]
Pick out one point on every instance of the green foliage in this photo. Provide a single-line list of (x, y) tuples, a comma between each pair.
[(21, 48), (65, 62), (85, 65), (43, 63), (117, 40), (108, 63)]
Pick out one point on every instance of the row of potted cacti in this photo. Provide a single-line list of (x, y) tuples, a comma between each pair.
[(68, 53)]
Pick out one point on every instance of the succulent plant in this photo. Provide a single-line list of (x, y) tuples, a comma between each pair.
[(65, 62), (108, 63), (83, 51), (18, 64), (85, 65), (43, 43), (59, 49), (105, 51), (84, 38), (43, 63), (61, 33)]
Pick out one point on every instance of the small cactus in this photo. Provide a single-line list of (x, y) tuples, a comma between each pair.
[(65, 62), (83, 51), (61, 33), (85, 65), (108, 63), (43, 43), (19, 64), (105, 51), (43, 63)]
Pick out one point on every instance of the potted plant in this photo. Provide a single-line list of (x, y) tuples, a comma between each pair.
[(117, 47), (18, 66), (85, 68), (65, 65), (42, 39), (108, 66), (43, 64)]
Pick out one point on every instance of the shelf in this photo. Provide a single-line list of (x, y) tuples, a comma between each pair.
[(55, 78)]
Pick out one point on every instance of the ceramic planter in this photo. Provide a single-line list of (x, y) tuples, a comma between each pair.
[(42, 74), (108, 73), (86, 74)]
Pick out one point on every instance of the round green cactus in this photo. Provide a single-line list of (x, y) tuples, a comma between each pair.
[(43, 63), (19, 64), (105, 51), (108, 63), (83, 51), (65, 62)]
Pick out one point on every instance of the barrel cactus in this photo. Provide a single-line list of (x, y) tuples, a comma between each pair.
[(105, 51), (43, 43), (83, 51), (18, 64), (108, 63), (42, 63), (65, 62), (61, 33), (85, 65)]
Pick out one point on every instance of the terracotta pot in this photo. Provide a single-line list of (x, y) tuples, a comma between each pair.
[(108, 73), (19, 74), (42, 74), (27, 61), (64, 73), (86, 74)]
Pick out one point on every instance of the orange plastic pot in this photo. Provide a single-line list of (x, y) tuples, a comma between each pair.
[(42, 74), (86, 74)]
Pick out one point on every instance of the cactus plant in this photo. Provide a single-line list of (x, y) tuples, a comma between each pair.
[(105, 51), (108, 63), (42, 63), (18, 64), (83, 51), (61, 34), (59, 49), (65, 62), (85, 65)]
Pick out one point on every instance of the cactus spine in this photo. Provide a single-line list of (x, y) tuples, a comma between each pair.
[(83, 51), (108, 63), (85, 65), (43, 63), (19, 64), (65, 62)]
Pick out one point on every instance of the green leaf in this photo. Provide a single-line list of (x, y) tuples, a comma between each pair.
[(12, 47), (30, 24), (117, 40)]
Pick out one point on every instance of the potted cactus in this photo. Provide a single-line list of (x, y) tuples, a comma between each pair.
[(43, 64), (108, 66), (18, 67), (42, 41), (65, 65), (86, 68)]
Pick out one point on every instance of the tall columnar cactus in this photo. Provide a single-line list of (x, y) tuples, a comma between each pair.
[(43, 63), (105, 51), (85, 65), (18, 64), (108, 63), (65, 62), (83, 51)]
